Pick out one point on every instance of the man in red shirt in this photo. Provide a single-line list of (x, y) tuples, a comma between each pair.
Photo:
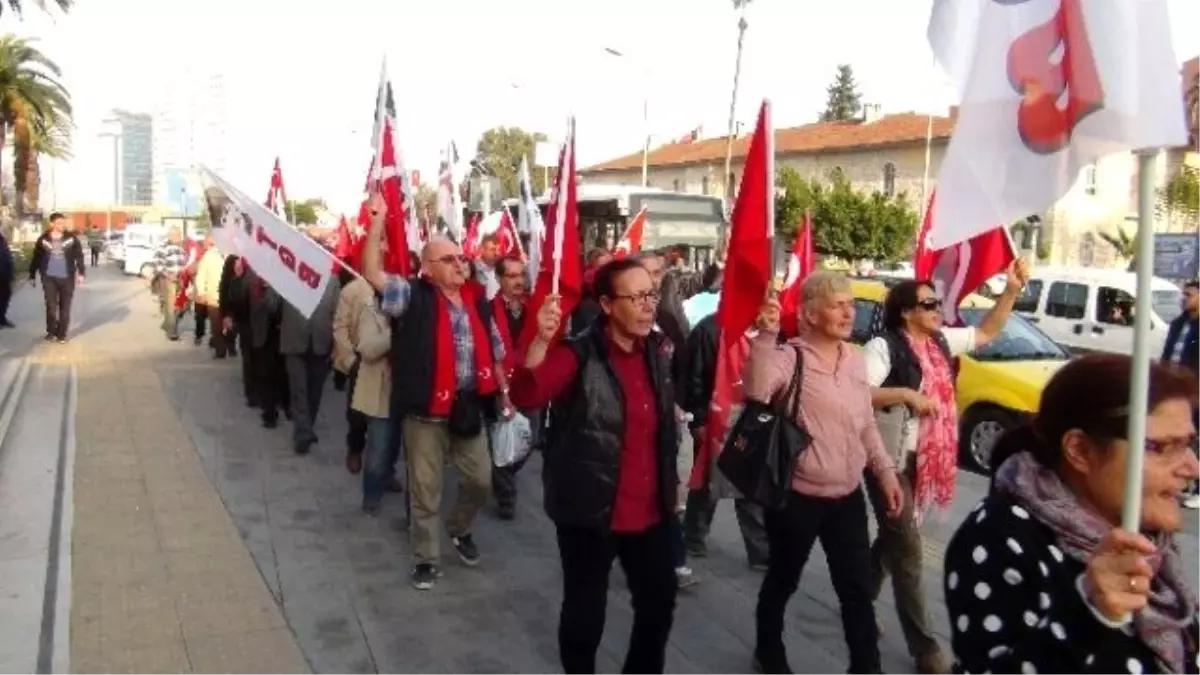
[(609, 472)]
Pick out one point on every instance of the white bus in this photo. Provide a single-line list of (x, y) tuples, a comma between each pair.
[(673, 218)]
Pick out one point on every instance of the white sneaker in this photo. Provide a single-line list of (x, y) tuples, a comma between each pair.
[(1191, 502), (685, 577)]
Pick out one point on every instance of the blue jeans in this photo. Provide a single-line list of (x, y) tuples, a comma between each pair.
[(381, 453)]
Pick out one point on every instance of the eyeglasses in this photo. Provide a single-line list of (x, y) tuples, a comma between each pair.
[(930, 304), (1171, 446), (646, 298), (451, 259)]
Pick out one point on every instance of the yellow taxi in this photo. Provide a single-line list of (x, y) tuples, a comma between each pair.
[(998, 386)]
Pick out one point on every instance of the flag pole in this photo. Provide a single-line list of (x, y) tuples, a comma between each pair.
[(1139, 388)]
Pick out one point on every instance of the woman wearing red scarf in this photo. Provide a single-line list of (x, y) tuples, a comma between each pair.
[(441, 402), (910, 368)]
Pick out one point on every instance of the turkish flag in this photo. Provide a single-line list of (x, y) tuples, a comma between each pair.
[(747, 276), (956, 271), (470, 245), (561, 261), (631, 240), (800, 266)]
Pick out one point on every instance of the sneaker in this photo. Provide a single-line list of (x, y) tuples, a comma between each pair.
[(685, 577), (465, 547), (5, 323), (759, 566), (424, 576), (62, 340), (1191, 502)]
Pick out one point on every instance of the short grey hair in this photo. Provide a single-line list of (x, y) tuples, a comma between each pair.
[(818, 286), (435, 239)]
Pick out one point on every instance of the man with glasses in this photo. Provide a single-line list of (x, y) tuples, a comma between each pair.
[(509, 310), (447, 379), (910, 369)]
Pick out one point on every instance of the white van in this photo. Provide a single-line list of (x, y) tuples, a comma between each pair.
[(1091, 310), (139, 244)]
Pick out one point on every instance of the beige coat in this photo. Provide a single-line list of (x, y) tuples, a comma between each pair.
[(354, 296), (373, 389), (208, 277)]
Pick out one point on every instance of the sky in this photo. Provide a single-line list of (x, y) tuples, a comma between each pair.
[(303, 75)]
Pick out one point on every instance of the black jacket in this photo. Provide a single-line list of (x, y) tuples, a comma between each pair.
[(1183, 327), (232, 293), (413, 342), (582, 460), (702, 369), (72, 249)]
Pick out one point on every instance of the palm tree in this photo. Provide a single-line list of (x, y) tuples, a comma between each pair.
[(16, 5), (31, 99), (1124, 245), (49, 138)]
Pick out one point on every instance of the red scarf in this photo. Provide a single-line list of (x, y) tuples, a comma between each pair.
[(500, 316), (445, 377)]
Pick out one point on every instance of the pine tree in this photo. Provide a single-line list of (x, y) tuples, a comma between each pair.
[(844, 102)]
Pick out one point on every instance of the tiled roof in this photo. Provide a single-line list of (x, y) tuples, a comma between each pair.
[(888, 130)]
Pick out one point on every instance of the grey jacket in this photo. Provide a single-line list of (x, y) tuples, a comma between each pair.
[(315, 334)]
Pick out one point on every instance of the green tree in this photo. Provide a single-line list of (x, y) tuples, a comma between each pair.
[(303, 212), (846, 223), (1180, 197), (499, 153), (1124, 244), (844, 102), (32, 102)]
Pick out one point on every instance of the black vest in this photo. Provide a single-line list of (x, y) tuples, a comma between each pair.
[(414, 340), (906, 368), (582, 460)]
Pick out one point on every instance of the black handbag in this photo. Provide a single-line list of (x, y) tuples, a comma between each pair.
[(761, 451)]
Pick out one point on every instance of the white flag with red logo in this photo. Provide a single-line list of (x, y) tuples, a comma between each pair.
[(631, 241), (957, 270), (1047, 87)]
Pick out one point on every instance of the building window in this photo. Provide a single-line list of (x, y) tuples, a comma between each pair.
[(675, 185), (1089, 178), (889, 179), (704, 185)]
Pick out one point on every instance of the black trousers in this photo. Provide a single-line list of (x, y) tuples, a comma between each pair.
[(58, 292), (587, 555), (5, 298), (504, 478), (271, 381), (249, 382), (95, 256), (841, 526), (356, 422)]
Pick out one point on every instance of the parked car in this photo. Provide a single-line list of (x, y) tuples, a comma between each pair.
[(1091, 310)]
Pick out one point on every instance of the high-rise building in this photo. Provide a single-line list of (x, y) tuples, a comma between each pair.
[(136, 157), (190, 126)]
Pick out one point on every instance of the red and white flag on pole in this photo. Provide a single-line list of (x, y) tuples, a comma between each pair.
[(1047, 87), (389, 176), (800, 265), (631, 240), (561, 260), (277, 196), (747, 277), (957, 270), (470, 242)]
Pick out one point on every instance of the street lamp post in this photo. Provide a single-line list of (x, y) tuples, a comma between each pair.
[(737, 74), (645, 124), (114, 132)]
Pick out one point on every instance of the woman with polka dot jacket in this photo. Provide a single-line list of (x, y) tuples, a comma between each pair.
[(1040, 577)]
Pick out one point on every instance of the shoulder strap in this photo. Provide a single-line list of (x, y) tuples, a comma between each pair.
[(791, 396)]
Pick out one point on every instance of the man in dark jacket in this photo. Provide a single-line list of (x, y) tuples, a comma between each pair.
[(701, 502), (233, 296), (609, 473), (1182, 347), (58, 258), (7, 270)]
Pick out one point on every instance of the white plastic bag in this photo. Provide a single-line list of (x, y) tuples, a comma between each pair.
[(512, 439)]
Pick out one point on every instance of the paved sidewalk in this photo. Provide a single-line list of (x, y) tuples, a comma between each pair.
[(157, 577)]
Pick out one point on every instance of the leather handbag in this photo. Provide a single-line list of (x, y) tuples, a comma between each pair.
[(760, 454)]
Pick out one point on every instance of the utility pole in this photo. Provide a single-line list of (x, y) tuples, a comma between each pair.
[(737, 74)]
